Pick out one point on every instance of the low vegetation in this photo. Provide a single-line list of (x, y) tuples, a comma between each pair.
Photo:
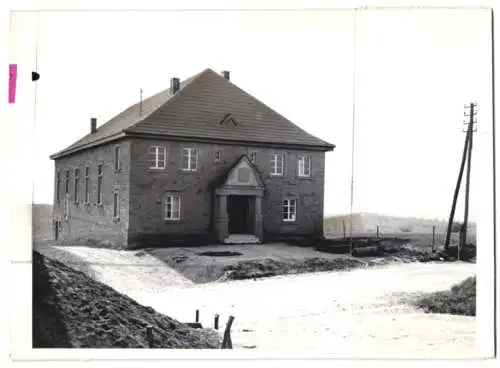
[(460, 300), (70, 310)]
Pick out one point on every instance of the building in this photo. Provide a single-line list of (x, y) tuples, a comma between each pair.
[(195, 163)]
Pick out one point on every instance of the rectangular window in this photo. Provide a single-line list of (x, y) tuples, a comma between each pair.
[(172, 207), (116, 204), (304, 166), (157, 157), (117, 158), (289, 210), (253, 157), (218, 156), (87, 184), (58, 186), (66, 207), (77, 183), (99, 184), (189, 159), (277, 164), (66, 183)]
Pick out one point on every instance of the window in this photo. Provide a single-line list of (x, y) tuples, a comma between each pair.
[(157, 157), (87, 184), (289, 210), (304, 166), (58, 186), (117, 158), (189, 159), (99, 184), (173, 207), (218, 156), (277, 164), (77, 183), (253, 157), (66, 207), (116, 204), (66, 183)]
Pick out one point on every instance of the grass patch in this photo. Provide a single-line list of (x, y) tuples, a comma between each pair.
[(460, 300)]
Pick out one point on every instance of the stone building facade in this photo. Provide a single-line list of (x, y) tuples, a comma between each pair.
[(189, 168)]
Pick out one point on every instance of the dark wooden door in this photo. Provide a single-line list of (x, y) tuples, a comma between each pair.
[(237, 210)]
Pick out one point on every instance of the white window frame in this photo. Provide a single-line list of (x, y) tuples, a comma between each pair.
[(66, 182), (99, 184), (58, 186), (276, 169), (117, 161), (87, 185), (172, 214), (289, 210), (116, 204), (304, 166), (189, 163), (66, 206), (158, 157), (76, 182), (253, 157), (218, 156)]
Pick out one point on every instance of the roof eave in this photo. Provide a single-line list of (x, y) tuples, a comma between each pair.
[(67, 152), (316, 147)]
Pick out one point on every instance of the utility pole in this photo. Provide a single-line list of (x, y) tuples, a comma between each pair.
[(467, 149), (140, 104), (470, 130)]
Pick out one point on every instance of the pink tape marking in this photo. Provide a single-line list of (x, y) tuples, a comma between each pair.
[(12, 82)]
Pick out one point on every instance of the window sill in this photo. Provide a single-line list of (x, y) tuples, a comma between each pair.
[(170, 221), (156, 169), (304, 177), (183, 171), (276, 175), (289, 222)]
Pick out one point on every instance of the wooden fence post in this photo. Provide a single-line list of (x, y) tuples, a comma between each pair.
[(216, 322), (226, 341), (149, 335), (378, 231), (197, 318), (433, 238), (343, 228)]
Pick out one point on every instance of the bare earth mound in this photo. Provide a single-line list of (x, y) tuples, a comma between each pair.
[(72, 310), (460, 300)]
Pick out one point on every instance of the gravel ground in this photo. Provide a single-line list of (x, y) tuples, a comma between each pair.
[(360, 313)]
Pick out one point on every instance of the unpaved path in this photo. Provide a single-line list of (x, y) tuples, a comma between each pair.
[(358, 313)]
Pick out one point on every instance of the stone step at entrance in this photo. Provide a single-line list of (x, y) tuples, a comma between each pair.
[(241, 239)]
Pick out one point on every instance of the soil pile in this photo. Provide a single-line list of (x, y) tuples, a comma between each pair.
[(70, 310), (460, 300)]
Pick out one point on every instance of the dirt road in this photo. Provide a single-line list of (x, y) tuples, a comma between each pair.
[(358, 313)]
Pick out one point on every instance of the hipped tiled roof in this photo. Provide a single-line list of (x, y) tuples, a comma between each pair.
[(197, 111)]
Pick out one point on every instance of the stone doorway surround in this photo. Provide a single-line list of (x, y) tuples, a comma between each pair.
[(241, 180)]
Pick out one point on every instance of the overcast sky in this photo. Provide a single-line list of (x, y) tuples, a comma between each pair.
[(414, 71)]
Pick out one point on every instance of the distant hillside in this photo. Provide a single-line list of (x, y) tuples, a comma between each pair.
[(367, 222), (42, 221)]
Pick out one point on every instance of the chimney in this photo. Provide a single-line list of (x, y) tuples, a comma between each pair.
[(93, 125), (225, 74), (174, 85)]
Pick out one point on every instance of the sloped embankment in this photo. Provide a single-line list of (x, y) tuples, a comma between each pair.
[(72, 310), (460, 300)]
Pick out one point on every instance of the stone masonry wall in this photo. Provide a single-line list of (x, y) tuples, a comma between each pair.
[(90, 221), (148, 188)]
